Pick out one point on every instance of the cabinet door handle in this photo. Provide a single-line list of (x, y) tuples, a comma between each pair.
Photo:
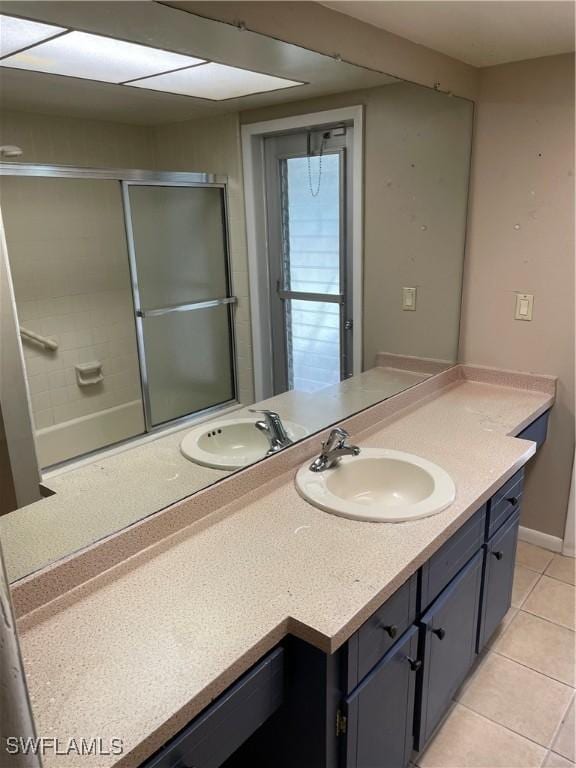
[(512, 500), (498, 555), (440, 633), (415, 664), (390, 629)]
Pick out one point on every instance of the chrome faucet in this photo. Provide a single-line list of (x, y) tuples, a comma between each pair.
[(333, 449), (274, 430)]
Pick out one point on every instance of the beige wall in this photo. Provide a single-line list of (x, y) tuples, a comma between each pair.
[(520, 238), (213, 145), (321, 29), (416, 161), (74, 141)]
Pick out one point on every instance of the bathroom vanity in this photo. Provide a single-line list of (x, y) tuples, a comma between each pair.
[(244, 626), (384, 692)]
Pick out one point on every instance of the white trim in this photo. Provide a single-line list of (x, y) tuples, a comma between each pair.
[(252, 157), (544, 540)]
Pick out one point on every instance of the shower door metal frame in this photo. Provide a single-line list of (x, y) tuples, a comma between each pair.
[(126, 177), (140, 314)]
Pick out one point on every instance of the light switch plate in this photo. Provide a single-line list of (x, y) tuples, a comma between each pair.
[(524, 306), (409, 299)]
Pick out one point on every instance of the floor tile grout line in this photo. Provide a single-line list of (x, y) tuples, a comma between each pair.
[(517, 733), (534, 570), (550, 621), (494, 640), (511, 730), (561, 723), (559, 754), (543, 618), (536, 671), (568, 685), (555, 578), (538, 580)]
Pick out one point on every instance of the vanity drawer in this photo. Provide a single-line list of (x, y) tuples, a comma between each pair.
[(381, 631), (504, 503), (450, 558), (217, 733)]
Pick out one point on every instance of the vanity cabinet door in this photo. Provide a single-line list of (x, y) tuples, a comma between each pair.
[(449, 644), (498, 578), (380, 712)]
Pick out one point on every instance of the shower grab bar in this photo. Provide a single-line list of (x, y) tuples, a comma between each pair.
[(44, 341), (207, 304)]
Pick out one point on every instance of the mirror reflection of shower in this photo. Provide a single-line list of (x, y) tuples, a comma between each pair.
[(119, 285)]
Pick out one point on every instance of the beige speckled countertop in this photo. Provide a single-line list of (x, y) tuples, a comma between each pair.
[(139, 651), (114, 490)]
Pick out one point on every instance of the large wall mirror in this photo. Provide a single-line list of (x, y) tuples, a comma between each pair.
[(214, 244)]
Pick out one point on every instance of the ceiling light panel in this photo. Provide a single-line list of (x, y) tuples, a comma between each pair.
[(214, 81), (16, 34), (79, 54)]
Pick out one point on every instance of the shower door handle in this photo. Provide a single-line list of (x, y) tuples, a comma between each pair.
[(204, 304)]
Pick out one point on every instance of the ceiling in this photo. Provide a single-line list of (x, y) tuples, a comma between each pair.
[(479, 33), (160, 26)]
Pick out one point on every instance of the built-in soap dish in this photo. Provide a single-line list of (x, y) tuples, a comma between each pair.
[(89, 373)]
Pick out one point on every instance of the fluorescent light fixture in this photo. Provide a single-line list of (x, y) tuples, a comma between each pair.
[(16, 34), (92, 57), (214, 81)]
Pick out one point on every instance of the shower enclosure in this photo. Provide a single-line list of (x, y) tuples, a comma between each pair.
[(177, 245), (123, 297)]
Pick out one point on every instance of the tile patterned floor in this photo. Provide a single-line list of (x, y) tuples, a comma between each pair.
[(517, 708)]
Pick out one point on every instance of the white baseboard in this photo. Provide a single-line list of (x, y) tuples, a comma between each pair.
[(544, 540)]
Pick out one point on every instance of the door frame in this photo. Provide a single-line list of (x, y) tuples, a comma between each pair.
[(252, 138)]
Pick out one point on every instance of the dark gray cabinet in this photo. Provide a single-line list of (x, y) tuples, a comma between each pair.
[(381, 632), (385, 691), (217, 733), (452, 556), (448, 643), (463, 592), (504, 502), (380, 712), (498, 578)]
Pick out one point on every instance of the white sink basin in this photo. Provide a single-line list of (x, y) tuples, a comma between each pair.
[(231, 443), (379, 485)]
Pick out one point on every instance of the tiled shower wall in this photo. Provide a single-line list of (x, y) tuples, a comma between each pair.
[(69, 264), (72, 284)]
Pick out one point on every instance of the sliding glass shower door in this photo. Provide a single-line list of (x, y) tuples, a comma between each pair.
[(179, 263)]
